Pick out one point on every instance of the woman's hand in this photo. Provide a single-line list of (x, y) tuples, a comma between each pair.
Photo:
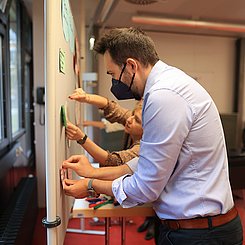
[(73, 132), (79, 95), (80, 164)]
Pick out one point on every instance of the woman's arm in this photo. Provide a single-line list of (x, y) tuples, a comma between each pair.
[(93, 99), (75, 133), (111, 127), (97, 124), (113, 112), (120, 157)]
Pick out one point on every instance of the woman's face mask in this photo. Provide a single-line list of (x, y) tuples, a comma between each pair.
[(120, 90)]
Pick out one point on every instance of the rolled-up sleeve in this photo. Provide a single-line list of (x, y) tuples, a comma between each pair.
[(120, 195), (117, 186)]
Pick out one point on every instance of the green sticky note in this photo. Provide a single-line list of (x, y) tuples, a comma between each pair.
[(62, 61), (63, 116)]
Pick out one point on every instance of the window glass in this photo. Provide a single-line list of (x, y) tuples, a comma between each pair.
[(27, 107), (3, 4), (15, 85)]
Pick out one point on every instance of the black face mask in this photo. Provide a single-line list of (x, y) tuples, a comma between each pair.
[(120, 90)]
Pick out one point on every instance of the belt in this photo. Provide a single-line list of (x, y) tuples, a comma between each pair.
[(203, 222)]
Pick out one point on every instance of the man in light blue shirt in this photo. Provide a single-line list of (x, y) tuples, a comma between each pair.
[(182, 167)]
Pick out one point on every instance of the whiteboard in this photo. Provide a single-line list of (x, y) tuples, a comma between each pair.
[(62, 76)]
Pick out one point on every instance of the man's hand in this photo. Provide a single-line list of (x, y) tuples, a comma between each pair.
[(79, 95), (76, 188), (80, 164), (73, 132)]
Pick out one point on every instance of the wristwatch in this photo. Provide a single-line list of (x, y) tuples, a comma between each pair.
[(82, 140), (91, 191)]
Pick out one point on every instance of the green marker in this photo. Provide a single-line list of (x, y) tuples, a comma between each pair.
[(104, 203)]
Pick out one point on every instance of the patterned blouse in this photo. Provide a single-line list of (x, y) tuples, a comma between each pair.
[(113, 112)]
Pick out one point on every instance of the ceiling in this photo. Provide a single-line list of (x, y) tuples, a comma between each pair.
[(212, 17), (209, 17)]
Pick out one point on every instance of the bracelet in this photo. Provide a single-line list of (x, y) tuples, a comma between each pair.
[(90, 187), (82, 140)]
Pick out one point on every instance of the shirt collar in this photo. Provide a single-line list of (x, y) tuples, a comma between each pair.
[(153, 78)]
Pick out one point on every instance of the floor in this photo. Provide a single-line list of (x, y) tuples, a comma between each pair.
[(132, 236)]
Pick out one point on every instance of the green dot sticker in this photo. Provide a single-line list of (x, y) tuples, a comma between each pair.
[(63, 116)]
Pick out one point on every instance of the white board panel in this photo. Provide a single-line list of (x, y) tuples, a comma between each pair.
[(62, 76)]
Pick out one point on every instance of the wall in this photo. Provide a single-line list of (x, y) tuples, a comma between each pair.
[(211, 60)]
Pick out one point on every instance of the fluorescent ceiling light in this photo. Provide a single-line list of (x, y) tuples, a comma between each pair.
[(145, 20), (91, 43)]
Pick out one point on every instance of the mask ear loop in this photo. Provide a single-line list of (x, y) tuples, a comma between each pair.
[(122, 71), (131, 82)]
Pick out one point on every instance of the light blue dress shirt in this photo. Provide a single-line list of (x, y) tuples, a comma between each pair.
[(182, 167)]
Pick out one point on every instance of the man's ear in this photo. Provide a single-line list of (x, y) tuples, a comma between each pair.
[(132, 64)]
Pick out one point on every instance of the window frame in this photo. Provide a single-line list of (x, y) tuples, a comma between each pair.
[(1, 93), (8, 140), (4, 104)]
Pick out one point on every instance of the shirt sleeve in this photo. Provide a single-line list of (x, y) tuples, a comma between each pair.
[(121, 157), (158, 151), (113, 112), (120, 195), (133, 164)]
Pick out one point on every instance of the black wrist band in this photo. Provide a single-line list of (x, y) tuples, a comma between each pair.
[(82, 140)]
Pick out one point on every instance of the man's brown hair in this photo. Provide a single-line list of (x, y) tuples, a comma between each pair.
[(124, 43)]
